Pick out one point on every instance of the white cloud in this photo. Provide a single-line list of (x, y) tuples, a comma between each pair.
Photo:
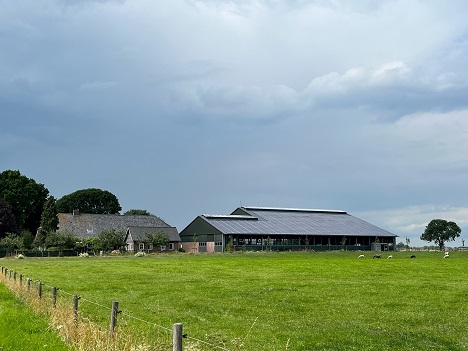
[(411, 221)]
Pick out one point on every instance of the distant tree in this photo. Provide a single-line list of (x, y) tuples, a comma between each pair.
[(49, 218), (10, 243), (91, 200), (49, 222), (110, 239), (27, 239), (408, 241), (157, 238), (7, 219), (401, 245), (439, 231), (61, 240), (26, 198), (135, 212)]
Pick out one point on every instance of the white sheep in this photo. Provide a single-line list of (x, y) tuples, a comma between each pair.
[(446, 255), (361, 256), (390, 256)]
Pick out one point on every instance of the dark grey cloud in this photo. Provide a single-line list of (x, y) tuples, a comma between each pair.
[(184, 107)]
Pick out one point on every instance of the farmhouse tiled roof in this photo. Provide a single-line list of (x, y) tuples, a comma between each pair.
[(90, 225)]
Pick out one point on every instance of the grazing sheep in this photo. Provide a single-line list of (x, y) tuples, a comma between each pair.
[(377, 256), (413, 256), (446, 255), (361, 256), (390, 256)]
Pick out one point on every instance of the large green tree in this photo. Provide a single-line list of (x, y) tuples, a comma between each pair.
[(7, 219), (440, 231), (89, 201), (26, 198)]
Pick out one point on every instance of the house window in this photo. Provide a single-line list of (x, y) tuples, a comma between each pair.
[(130, 247), (171, 246), (219, 243), (202, 244), (163, 248), (150, 247), (141, 246)]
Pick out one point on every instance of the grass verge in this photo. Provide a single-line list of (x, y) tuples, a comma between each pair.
[(22, 329)]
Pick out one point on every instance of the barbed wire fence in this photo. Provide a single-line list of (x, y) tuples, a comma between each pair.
[(88, 330)]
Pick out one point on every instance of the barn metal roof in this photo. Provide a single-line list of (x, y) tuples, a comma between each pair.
[(284, 221)]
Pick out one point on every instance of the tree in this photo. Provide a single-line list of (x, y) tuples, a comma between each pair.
[(91, 200), (25, 196), (439, 231), (7, 219), (111, 239), (135, 212), (49, 222), (157, 238), (49, 218), (61, 240), (10, 243)]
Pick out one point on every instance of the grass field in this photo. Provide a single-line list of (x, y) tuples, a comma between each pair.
[(273, 301), (22, 330)]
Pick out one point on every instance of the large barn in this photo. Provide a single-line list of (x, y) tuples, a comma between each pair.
[(266, 228)]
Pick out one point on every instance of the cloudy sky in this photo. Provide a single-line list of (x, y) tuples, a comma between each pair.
[(184, 107)]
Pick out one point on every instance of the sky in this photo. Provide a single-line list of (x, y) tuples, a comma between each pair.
[(188, 107)]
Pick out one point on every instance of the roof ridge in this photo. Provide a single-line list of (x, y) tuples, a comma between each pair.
[(285, 209)]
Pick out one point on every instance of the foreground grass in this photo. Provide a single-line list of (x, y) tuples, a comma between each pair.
[(21, 329), (273, 301)]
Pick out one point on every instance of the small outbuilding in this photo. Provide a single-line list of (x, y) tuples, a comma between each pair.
[(266, 228)]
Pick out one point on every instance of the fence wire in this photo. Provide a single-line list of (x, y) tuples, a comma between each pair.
[(6, 276)]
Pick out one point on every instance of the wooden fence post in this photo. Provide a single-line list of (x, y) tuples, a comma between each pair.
[(29, 284), (14, 276), (75, 307), (39, 290), (54, 296), (9, 277), (114, 311), (177, 337), (21, 279)]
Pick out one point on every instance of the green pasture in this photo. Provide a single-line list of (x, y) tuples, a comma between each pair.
[(273, 301), (22, 330)]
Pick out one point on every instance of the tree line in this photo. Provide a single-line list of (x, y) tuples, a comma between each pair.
[(29, 217)]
